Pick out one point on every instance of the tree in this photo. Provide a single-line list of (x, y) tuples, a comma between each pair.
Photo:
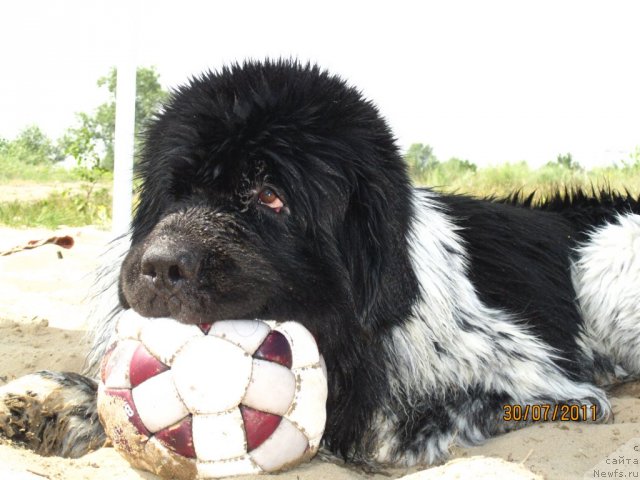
[(91, 141), (567, 161), (420, 158), (82, 142), (634, 159), (31, 147), (460, 166)]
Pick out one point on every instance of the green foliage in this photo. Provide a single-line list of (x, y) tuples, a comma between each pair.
[(453, 170), (30, 147), (634, 160), (82, 141), (566, 161), (464, 177), (12, 169), (31, 156), (90, 142), (421, 159), (60, 208)]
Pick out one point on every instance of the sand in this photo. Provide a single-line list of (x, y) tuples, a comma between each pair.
[(43, 313)]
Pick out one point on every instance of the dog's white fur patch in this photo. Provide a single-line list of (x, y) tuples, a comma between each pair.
[(606, 278)]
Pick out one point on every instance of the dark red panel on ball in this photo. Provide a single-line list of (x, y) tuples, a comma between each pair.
[(129, 408), (205, 327), (179, 438), (144, 366), (258, 426), (275, 348)]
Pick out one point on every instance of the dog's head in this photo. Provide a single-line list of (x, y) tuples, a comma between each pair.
[(270, 190)]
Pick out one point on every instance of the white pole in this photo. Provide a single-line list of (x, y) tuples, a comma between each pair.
[(125, 122)]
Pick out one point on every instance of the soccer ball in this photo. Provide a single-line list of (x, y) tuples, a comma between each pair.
[(212, 400)]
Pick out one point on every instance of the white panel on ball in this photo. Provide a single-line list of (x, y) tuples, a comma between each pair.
[(129, 324), (247, 334), (304, 351), (211, 374), (284, 446), (308, 409), (164, 336), (219, 436), (158, 402), (118, 364), (271, 388), (228, 468)]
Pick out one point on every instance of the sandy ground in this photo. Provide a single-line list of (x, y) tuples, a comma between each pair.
[(42, 321)]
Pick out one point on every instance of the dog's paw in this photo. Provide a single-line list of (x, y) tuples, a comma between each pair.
[(52, 413)]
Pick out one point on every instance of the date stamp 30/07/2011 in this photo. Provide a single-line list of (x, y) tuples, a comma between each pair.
[(547, 412)]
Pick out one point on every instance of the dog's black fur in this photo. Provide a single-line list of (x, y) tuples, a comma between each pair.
[(352, 255)]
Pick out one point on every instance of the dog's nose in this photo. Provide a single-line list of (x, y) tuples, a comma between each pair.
[(169, 267)]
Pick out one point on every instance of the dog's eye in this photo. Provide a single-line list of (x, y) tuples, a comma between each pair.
[(270, 199)]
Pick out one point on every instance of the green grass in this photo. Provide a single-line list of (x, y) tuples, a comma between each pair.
[(507, 178), (14, 170), (81, 197), (59, 208)]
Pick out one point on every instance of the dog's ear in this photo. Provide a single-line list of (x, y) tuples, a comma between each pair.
[(375, 250), (363, 253)]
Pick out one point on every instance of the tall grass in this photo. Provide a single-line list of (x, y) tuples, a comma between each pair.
[(59, 208), (12, 170), (82, 196), (502, 180)]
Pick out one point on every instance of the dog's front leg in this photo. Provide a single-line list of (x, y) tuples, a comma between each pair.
[(52, 413)]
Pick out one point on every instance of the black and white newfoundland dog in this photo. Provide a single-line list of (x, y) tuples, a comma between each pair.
[(273, 190)]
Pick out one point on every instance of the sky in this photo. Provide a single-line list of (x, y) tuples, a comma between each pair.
[(488, 81)]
